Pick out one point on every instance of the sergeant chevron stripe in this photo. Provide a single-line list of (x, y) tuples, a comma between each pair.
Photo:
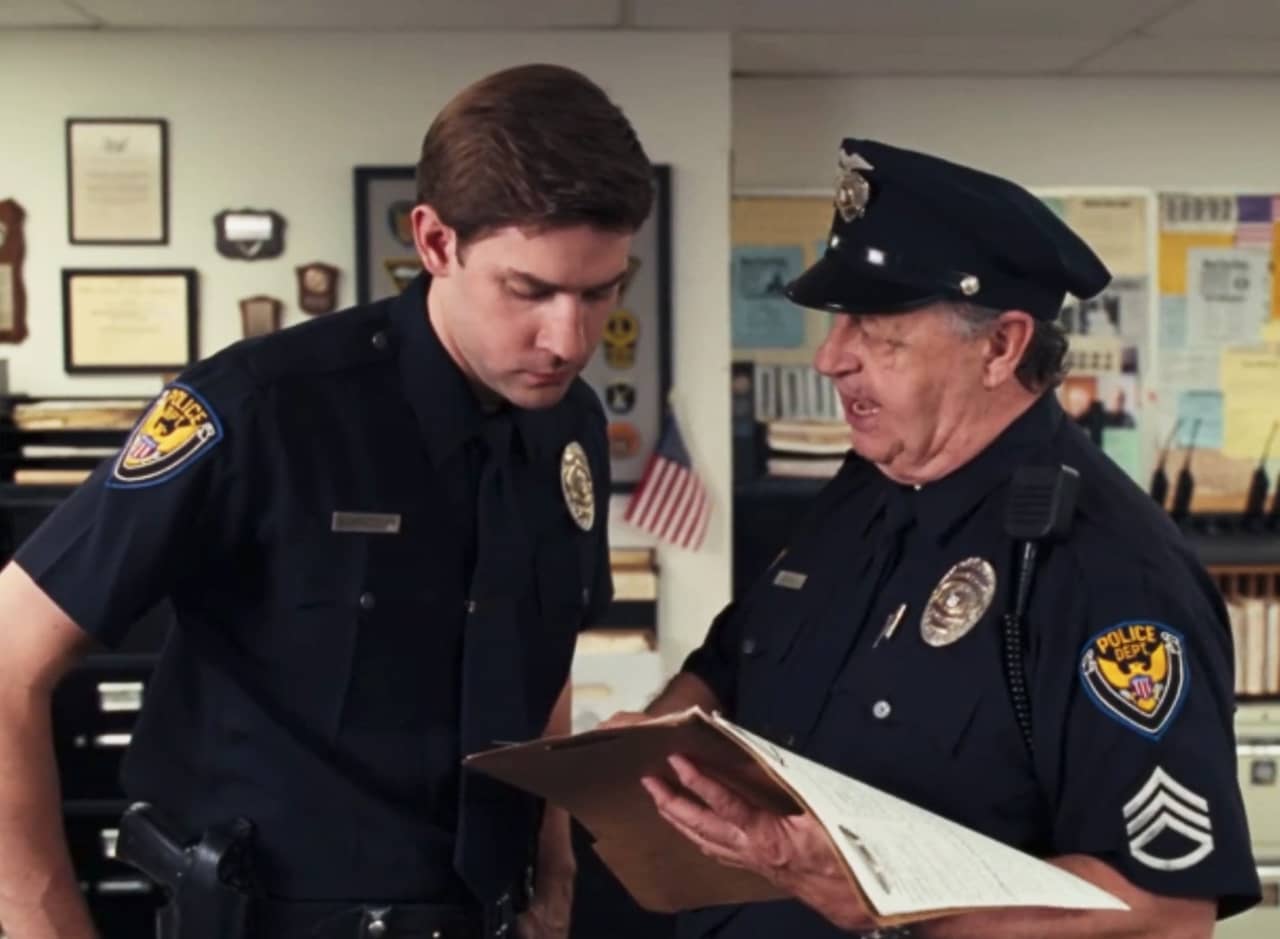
[(1163, 804)]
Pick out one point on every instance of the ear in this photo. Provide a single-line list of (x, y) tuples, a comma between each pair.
[(1005, 345), (436, 242)]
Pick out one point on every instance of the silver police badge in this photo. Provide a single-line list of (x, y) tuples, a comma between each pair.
[(852, 189), (958, 602), (575, 483)]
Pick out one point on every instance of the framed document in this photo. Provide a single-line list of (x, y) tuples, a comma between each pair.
[(128, 320), (13, 292), (386, 260), (117, 181)]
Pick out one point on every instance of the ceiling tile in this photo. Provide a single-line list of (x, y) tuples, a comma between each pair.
[(356, 14), (816, 54), (37, 13), (1188, 57), (1220, 19), (1043, 18)]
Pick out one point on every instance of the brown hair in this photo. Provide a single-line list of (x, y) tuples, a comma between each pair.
[(536, 146)]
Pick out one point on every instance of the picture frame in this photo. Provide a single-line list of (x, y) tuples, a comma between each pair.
[(117, 181), (630, 372), (385, 257), (129, 320)]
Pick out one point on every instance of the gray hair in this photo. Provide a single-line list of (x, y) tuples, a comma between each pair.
[(1044, 361)]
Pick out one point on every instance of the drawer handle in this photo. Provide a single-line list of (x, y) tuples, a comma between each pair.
[(115, 696), (122, 886), (1271, 750), (112, 740)]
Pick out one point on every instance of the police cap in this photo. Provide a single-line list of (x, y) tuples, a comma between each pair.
[(911, 229)]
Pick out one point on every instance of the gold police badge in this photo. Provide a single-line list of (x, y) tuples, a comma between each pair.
[(958, 602), (575, 483), (178, 427), (853, 192), (1136, 674)]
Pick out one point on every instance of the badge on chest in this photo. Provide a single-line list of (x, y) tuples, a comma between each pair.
[(959, 601)]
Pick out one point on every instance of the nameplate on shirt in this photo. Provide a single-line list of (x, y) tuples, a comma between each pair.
[(791, 580), (366, 523)]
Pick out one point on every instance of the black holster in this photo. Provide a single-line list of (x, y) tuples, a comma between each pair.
[(208, 883)]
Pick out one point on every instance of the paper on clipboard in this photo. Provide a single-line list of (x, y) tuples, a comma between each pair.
[(907, 864)]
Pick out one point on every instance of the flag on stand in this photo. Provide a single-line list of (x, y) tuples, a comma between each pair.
[(670, 500)]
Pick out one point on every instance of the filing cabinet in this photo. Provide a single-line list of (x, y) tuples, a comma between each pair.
[(94, 711)]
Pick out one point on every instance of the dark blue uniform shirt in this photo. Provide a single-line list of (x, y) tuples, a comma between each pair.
[(312, 680), (1128, 661)]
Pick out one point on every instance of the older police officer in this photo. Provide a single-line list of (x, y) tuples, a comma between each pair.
[(1094, 729), (380, 532)]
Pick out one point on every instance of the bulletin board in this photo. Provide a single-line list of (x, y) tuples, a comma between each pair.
[(775, 236), (1217, 340)]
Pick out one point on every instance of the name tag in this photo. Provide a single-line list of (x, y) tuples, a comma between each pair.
[(791, 580), (366, 523)]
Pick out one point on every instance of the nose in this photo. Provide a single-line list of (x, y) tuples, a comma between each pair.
[(839, 353), (563, 332)]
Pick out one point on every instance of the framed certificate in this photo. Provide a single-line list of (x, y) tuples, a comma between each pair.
[(117, 181), (128, 320)]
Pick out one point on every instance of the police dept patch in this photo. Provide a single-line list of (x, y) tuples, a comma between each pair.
[(1136, 673), (176, 429)]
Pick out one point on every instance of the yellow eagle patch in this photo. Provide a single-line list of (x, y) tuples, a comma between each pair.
[(179, 426), (1135, 672)]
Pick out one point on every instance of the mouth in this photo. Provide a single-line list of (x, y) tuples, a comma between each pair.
[(543, 379), (861, 409)]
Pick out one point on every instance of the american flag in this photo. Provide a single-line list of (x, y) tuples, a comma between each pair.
[(670, 501), (1257, 219)]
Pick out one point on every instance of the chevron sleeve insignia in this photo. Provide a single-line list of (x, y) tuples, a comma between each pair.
[(1168, 825)]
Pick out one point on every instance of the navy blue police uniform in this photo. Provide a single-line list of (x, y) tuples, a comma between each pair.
[(311, 503), (874, 644)]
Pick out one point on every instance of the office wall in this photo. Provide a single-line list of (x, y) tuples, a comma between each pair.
[(277, 120)]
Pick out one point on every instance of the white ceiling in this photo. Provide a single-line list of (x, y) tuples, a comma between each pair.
[(787, 37)]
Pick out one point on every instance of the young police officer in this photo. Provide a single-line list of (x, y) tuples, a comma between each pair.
[(380, 532), (879, 643)]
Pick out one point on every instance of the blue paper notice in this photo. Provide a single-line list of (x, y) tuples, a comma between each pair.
[(1205, 407), (763, 318)]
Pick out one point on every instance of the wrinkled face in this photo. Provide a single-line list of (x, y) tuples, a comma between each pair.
[(525, 311), (904, 381)]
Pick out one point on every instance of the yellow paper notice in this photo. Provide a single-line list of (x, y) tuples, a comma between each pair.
[(1250, 399), (1115, 227), (1173, 255)]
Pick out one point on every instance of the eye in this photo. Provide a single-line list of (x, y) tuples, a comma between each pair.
[(533, 294), (604, 295)]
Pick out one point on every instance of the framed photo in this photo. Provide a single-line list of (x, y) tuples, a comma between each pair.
[(631, 371), (386, 260), (129, 320), (117, 181)]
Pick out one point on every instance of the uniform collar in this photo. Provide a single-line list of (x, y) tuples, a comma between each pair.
[(447, 408), (942, 505)]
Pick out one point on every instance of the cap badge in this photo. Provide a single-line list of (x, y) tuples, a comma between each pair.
[(852, 189)]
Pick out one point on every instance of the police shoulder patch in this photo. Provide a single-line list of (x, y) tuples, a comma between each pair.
[(1136, 673), (178, 428)]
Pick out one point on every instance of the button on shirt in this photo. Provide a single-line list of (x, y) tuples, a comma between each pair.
[(311, 519), (1128, 661)]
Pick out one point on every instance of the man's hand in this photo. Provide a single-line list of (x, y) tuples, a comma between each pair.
[(790, 851)]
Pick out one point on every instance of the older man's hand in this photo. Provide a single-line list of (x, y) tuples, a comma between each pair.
[(791, 851)]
